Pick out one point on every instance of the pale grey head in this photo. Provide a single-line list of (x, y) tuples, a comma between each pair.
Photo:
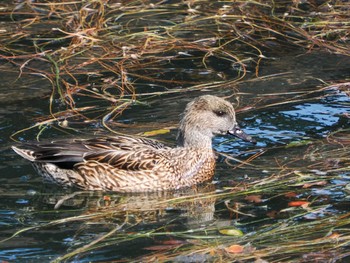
[(205, 117)]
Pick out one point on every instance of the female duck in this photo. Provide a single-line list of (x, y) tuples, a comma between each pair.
[(129, 164)]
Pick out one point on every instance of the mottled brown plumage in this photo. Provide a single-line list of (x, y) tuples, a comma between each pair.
[(130, 164)]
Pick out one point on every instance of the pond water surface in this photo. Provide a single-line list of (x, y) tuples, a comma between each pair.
[(124, 227)]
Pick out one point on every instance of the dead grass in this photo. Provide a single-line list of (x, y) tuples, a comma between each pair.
[(102, 52)]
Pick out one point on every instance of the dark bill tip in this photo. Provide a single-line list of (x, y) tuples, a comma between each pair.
[(239, 133)]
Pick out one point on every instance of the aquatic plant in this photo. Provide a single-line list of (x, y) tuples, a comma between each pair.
[(113, 54)]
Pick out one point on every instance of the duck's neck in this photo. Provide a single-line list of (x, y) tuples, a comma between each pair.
[(194, 138)]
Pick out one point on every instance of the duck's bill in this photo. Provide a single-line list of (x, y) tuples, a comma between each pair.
[(239, 133)]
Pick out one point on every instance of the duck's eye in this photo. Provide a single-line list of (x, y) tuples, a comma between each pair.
[(220, 113)]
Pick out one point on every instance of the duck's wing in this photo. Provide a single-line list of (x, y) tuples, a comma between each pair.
[(143, 159), (120, 152), (125, 153)]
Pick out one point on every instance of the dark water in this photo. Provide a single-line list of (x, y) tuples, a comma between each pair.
[(26, 202)]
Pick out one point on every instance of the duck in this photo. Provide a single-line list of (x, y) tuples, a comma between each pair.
[(136, 164)]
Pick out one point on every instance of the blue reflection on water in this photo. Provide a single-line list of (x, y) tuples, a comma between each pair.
[(324, 114), (291, 123), (29, 254)]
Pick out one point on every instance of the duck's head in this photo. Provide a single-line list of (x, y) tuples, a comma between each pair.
[(205, 117)]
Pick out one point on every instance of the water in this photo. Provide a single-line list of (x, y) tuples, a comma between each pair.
[(26, 202)]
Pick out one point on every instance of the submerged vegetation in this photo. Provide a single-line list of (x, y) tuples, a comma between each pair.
[(288, 216), (100, 57)]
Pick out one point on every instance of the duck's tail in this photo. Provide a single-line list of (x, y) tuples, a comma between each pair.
[(26, 154)]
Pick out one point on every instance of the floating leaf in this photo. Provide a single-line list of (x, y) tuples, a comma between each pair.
[(290, 194), (298, 143), (231, 232), (156, 132), (303, 204), (235, 249), (253, 198)]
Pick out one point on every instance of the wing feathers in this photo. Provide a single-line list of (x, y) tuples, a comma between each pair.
[(127, 160), (121, 152)]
